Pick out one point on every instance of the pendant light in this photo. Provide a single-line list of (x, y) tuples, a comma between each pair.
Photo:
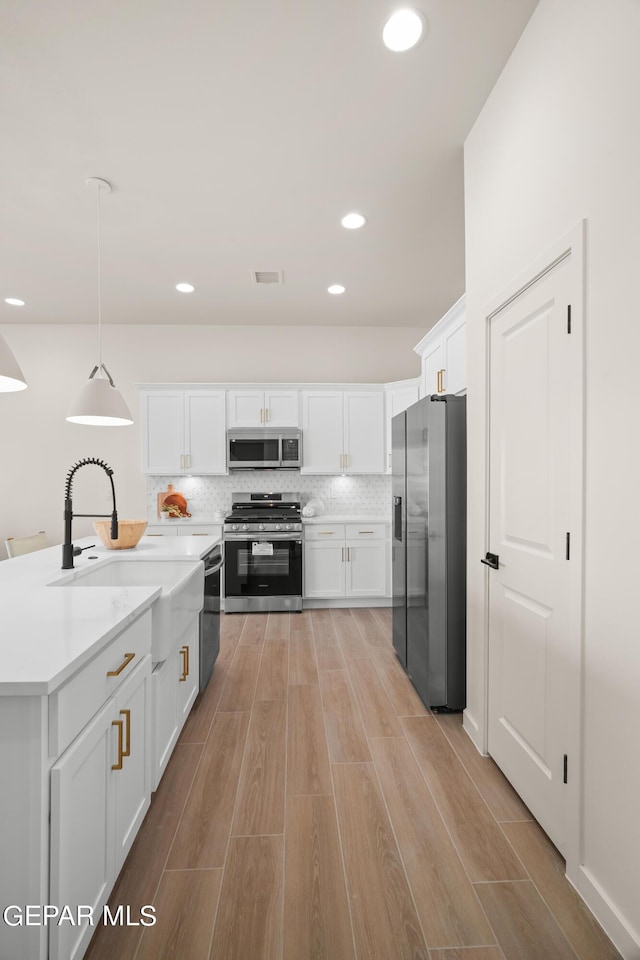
[(11, 376), (99, 404)]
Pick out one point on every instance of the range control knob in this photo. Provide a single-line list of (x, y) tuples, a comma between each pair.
[(234, 526), (278, 526), (245, 526), (261, 526), (288, 526)]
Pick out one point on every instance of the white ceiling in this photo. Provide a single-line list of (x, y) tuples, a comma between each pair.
[(235, 134)]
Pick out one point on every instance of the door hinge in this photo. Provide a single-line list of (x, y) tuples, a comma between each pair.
[(565, 768), (568, 547), (568, 318)]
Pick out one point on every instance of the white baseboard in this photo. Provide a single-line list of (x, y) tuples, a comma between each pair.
[(624, 937)]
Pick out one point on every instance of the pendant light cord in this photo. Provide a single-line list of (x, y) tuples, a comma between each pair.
[(98, 189)]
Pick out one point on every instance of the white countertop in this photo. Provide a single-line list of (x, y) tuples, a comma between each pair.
[(349, 518), (48, 632)]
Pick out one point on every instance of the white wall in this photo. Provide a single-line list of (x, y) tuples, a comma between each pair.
[(38, 446), (559, 140)]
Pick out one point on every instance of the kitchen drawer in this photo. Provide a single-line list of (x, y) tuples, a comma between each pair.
[(324, 531), (163, 529), (201, 530), (366, 531), (72, 706)]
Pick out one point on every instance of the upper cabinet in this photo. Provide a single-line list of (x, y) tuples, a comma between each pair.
[(343, 431), (263, 408), (397, 397), (183, 431), (443, 352)]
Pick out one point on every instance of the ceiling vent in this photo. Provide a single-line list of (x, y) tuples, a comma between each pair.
[(267, 276)]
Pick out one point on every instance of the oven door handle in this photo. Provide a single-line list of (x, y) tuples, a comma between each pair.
[(209, 571), (262, 539)]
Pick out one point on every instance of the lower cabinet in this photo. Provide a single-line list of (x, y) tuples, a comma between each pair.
[(345, 560), (175, 687), (100, 792)]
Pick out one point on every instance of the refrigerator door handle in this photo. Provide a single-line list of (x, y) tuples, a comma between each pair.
[(491, 560), (397, 518)]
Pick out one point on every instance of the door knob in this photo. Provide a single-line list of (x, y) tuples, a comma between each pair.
[(491, 560)]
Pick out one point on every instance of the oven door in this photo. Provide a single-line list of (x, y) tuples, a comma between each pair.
[(263, 574), (251, 453)]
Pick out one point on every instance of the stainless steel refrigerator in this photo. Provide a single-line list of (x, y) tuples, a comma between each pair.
[(429, 547)]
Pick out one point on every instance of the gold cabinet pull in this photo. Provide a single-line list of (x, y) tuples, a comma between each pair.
[(341, 459), (200, 534), (440, 381), (346, 460), (342, 554), (128, 657), (185, 663), (187, 461), (127, 735), (260, 414), (266, 415), (326, 533), (365, 531), (348, 554), (118, 764), (155, 534)]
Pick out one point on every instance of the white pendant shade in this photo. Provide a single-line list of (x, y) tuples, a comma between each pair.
[(11, 376), (100, 405)]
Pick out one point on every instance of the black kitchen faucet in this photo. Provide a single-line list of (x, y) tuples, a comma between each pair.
[(68, 549)]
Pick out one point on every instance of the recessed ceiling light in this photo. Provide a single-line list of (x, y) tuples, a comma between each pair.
[(185, 287), (336, 288), (403, 29), (14, 302), (353, 221)]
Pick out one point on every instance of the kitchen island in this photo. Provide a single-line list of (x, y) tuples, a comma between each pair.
[(76, 734)]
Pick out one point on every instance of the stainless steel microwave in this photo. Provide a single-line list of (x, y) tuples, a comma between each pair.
[(266, 449)]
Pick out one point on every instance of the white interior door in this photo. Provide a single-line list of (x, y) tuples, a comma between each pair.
[(534, 649)]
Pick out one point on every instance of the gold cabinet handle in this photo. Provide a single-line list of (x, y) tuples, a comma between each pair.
[(199, 534), (326, 533), (342, 554), (266, 415), (440, 381), (155, 534), (346, 461), (128, 657), (118, 764), (365, 531), (341, 459), (260, 414), (185, 663), (348, 554), (127, 737), (187, 461)]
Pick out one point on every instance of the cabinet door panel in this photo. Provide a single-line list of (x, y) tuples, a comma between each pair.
[(324, 573), (132, 790), (322, 432), (455, 358), (397, 399), (205, 435), (162, 433), (165, 714), (281, 408), (432, 362), (366, 568), (364, 432), (246, 408), (82, 868)]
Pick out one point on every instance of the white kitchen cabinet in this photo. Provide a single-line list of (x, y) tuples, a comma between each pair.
[(443, 353), (343, 432), (345, 560), (175, 687), (397, 397), (100, 792), (263, 408), (183, 431)]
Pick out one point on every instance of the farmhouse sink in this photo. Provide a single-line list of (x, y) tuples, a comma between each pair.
[(181, 599)]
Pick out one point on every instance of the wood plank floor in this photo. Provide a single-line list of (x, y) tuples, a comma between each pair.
[(314, 809)]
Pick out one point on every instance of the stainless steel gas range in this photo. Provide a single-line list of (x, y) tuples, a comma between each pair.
[(263, 553)]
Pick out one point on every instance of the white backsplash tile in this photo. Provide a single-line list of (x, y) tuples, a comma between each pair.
[(207, 496)]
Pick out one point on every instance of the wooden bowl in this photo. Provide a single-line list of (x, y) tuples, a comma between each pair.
[(129, 532)]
